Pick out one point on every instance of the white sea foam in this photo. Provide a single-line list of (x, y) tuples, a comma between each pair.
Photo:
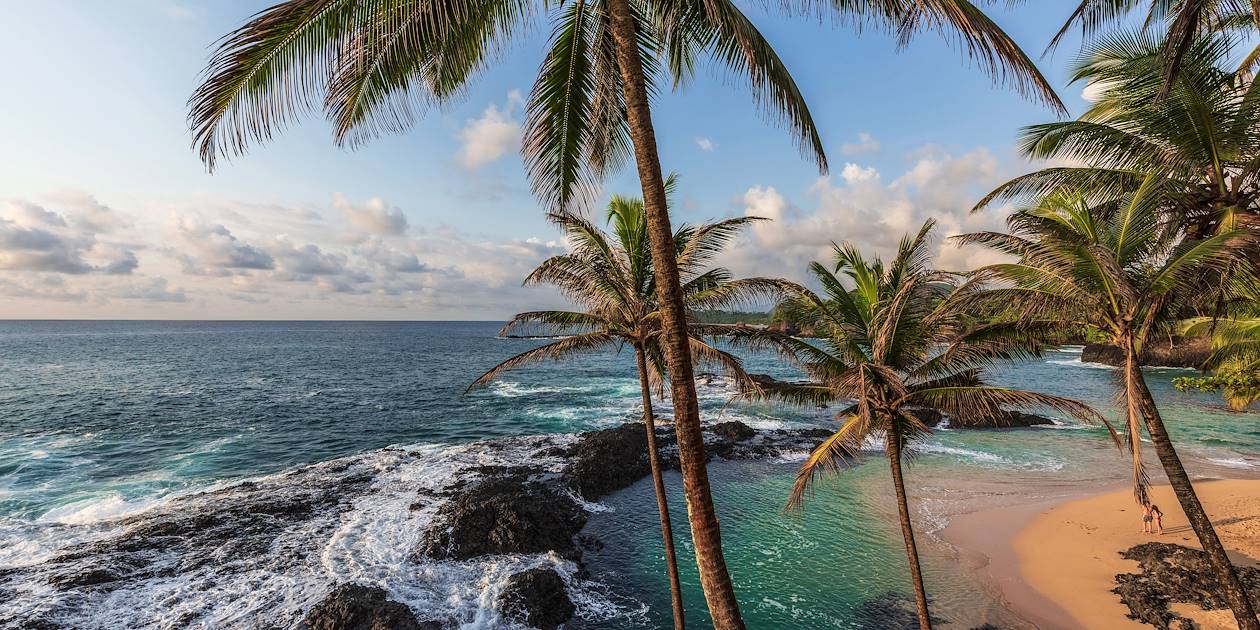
[(1078, 363), (38, 454), (105, 508), (1233, 462)]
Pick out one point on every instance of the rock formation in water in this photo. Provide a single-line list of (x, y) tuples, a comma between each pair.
[(358, 607), (538, 598), (1169, 574), (1180, 352)]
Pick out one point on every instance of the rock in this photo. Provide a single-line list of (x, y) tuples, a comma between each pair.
[(537, 597), (733, 430), (608, 460), (358, 607), (1174, 574), (504, 515), (1007, 419), (87, 577), (1182, 352)]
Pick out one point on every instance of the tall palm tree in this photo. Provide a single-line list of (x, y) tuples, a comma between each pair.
[(374, 64), (1118, 267), (894, 343), (610, 276)]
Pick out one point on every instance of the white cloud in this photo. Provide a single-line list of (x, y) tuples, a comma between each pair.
[(375, 216), (866, 143), (705, 144), (36, 239), (486, 139), (860, 208)]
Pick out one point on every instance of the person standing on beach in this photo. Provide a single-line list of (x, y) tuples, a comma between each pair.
[(1152, 517)]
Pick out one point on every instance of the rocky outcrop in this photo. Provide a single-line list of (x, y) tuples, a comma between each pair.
[(1182, 352), (1174, 574), (505, 515), (538, 598), (733, 430), (1006, 420), (357, 607), (608, 460)]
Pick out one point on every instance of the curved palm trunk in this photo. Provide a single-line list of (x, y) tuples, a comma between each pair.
[(1233, 588), (719, 593), (892, 447), (662, 504)]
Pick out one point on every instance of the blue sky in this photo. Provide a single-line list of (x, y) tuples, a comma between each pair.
[(439, 222)]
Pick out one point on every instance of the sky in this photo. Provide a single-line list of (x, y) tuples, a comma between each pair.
[(106, 211)]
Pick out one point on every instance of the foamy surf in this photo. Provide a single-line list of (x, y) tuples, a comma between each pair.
[(261, 552)]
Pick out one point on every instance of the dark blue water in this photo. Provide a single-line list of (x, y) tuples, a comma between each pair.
[(99, 420)]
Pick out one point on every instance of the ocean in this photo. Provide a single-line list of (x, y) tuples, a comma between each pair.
[(101, 422)]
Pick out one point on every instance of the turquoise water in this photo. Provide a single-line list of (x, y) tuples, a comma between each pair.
[(103, 420)]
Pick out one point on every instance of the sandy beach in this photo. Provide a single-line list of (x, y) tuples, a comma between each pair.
[(1055, 563)]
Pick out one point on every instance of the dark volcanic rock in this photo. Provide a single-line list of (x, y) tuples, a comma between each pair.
[(504, 515), (87, 577), (608, 460), (1181, 352), (357, 607), (733, 430), (1008, 419), (1174, 574), (537, 597)]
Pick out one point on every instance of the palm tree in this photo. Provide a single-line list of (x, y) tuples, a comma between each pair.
[(1183, 21), (373, 64), (1234, 364), (1199, 142), (1121, 269), (894, 344), (610, 276), (1195, 150)]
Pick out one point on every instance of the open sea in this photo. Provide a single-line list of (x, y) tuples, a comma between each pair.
[(102, 421)]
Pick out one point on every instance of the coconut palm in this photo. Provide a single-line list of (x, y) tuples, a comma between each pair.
[(610, 276), (894, 344), (375, 64), (1121, 269), (1182, 21), (1234, 364), (1196, 150), (1200, 142)]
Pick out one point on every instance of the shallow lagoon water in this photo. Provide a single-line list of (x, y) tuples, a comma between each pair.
[(99, 420)]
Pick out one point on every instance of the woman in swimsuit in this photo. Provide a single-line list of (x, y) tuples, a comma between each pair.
[(1159, 518)]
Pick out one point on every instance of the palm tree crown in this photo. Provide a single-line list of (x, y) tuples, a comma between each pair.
[(610, 276), (1198, 144)]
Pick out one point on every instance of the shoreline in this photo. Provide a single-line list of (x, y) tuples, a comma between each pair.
[(1054, 561)]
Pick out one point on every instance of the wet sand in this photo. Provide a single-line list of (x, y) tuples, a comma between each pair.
[(1055, 562)]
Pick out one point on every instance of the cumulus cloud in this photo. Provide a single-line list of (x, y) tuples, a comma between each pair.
[(866, 143), (34, 238), (705, 144), (212, 249), (374, 216), (860, 207), (485, 139)]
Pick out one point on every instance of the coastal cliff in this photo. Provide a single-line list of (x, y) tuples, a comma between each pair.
[(1181, 352)]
